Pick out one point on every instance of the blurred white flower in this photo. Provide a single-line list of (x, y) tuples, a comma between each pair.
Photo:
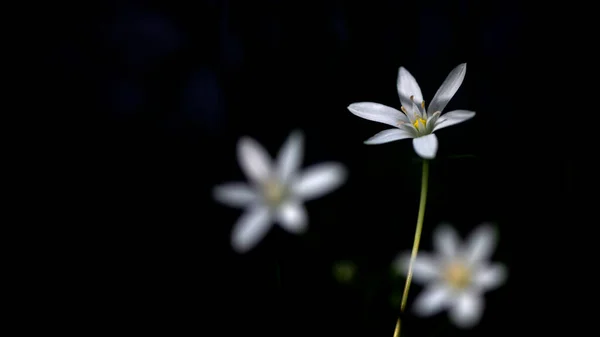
[(414, 121), (276, 191), (458, 276)]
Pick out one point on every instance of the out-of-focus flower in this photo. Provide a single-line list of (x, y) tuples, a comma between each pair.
[(277, 191), (458, 276), (414, 121)]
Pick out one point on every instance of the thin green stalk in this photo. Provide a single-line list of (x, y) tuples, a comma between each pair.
[(417, 240)]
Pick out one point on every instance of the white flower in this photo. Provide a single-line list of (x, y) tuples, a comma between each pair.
[(276, 191), (458, 276), (414, 121)]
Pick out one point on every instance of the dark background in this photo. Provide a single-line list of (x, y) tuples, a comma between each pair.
[(165, 90)]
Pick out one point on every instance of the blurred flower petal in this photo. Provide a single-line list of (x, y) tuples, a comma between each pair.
[(432, 300), (490, 277), (234, 194), (293, 218), (455, 279), (254, 159), (446, 241), (251, 227), (425, 268), (480, 244), (290, 155), (275, 193), (467, 310), (318, 180)]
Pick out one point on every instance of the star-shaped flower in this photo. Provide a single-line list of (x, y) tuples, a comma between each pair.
[(414, 121), (458, 276), (276, 191)]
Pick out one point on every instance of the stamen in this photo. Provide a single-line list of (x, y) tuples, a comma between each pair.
[(423, 104), (458, 275), (420, 121), (403, 109), (273, 192), (412, 97)]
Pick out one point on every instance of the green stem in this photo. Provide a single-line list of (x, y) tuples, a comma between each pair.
[(417, 240)]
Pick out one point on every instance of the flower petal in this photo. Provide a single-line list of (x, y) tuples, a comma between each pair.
[(234, 194), (250, 228), (432, 300), (490, 277), (387, 136), (446, 241), (480, 244), (378, 113), (467, 310), (414, 113), (426, 146), (254, 159), (453, 117), (318, 180), (290, 155), (407, 87), (425, 268), (410, 129), (292, 217), (448, 88), (432, 120)]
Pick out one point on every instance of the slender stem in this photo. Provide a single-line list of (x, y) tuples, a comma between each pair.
[(417, 240)]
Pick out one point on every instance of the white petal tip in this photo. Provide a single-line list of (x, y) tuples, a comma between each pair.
[(239, 249), (217, 194), (444, 229), (297, 133), (244, 139), (428, 157), (487, 230), (244, 142), (240, 246), (469, 114), (296, 136), (426, 146), (353, 106), (356, 109)]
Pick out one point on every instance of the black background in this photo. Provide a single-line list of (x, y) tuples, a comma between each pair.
[(165, 90)]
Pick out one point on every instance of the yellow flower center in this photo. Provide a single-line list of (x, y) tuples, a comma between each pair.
[(273, 192), (420, 122), (458, 275)]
